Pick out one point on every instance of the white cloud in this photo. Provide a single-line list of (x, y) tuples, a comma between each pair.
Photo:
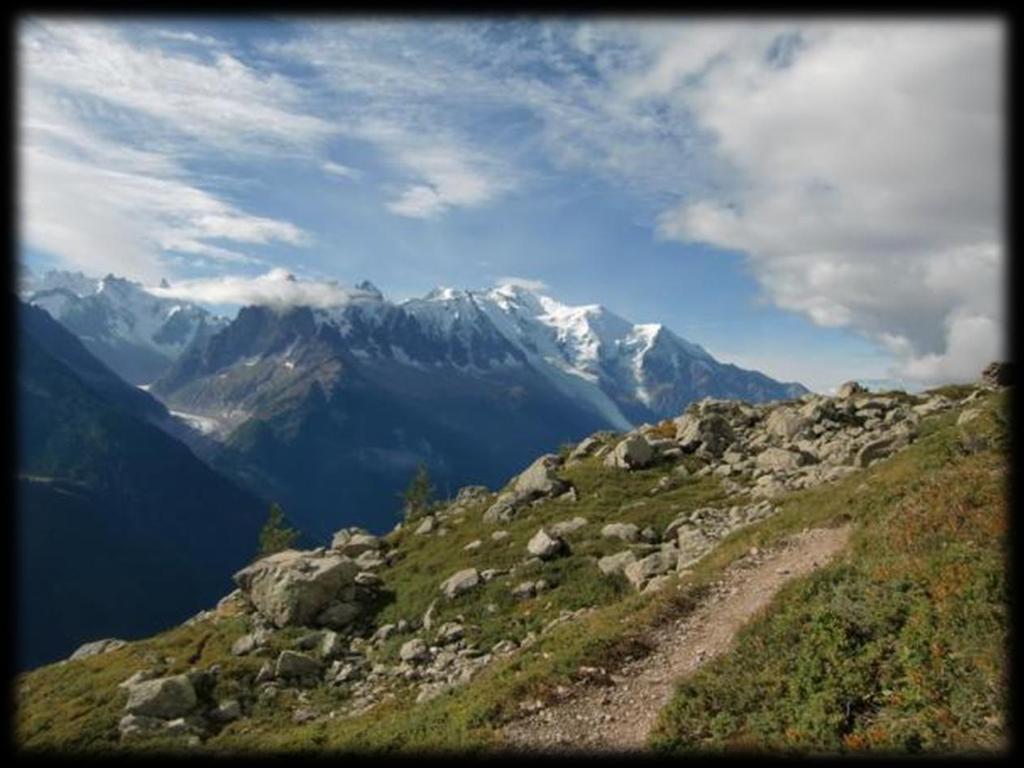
[(449, 177), (211, 96), (537, 286), (277, 288), (869, 181), (103, 207)]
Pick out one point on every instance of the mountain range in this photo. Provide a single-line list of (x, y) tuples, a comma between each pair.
[(329, 410)]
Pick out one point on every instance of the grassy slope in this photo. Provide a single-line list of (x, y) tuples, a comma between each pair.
[(77, 705), (900, 647)]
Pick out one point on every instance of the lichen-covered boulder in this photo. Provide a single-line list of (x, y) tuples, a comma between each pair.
[(635, 452)]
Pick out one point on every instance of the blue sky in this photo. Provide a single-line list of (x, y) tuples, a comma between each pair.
[(818, 200)]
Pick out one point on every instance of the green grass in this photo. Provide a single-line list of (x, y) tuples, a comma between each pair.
[(76, 706), (901, 646)]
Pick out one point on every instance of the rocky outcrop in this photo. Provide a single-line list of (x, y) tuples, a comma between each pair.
[(294, 588), (97, 647), (539, 480), (635, 452)]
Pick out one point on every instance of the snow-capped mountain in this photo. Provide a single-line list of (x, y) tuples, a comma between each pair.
[(332, 409), (628, 372), (134, 332)]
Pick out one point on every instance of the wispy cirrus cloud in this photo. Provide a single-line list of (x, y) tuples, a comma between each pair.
[(101, 190)]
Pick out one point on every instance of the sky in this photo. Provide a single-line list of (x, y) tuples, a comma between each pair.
[(819, 199)]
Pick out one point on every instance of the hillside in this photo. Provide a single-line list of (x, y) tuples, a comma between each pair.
[(494, 609), (121, 529)]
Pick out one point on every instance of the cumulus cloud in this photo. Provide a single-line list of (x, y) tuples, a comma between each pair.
[(276, 288), (869, 178)]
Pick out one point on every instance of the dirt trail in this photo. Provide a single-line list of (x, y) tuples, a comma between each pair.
[(619, 717)]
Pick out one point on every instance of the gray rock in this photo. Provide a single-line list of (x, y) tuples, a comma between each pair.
[(504, 507), (460, 582), (585, 447), (546, 546), (617, 562), (244, 645), (779, 459), (525, 590), (354, 541), (164, 697), (568, 526), (848, 389), (624, 531), (450, 632), (785, 423), (539, 479), (635, 452), (227, 711), (332, 645), (693, 544), (292, 588), (655, 564), (137, 725), (339, 615), (414, 651), (294, 665)]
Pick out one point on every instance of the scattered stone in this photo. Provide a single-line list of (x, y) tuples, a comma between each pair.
[(460, 582), (616, 563), (623, 531), (295, 665), (546, 546), (414, 651)]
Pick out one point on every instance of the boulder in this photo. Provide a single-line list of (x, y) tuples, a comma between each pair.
[(460, 582), (785, 423), (426, 526), (450, 632), (164, 697), (777, 459), (504, 507), (693, 544), (624, 531), (710, 433), (635, 452), (848, 389), (655, 564), (539, 479), (568, 526), (354, 541), (293, 588), (617, 562), (545, 546), (292, 665), (584, 448), (414, 651)]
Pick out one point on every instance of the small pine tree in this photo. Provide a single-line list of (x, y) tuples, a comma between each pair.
[(275, 535), (419, 494)]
